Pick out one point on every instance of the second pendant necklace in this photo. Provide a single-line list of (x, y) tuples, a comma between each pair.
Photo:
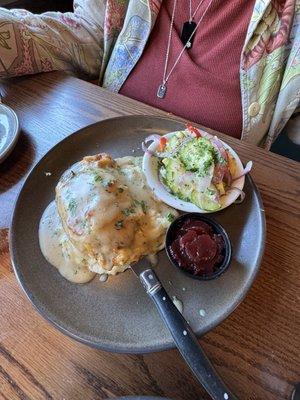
[(189, 26), (187, 43)]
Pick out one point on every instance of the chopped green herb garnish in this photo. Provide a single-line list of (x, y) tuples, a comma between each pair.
[(72, 206), (218, 159), (128, 211), (83, 223), (55, 233), (142, 204), (210, 191), (98, 178), (215, 155), (170, 217), (206, 165), (119, 224)]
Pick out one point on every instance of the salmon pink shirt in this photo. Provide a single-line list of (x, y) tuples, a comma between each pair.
[(205, 85)]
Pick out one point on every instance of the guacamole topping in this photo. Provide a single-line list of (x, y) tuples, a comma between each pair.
[(196, 168)]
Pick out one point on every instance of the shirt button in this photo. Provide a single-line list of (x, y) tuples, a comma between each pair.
[(253, 109)]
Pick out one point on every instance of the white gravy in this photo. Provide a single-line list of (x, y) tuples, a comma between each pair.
[(59, 251)]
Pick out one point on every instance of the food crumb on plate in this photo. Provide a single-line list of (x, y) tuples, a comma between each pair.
[(178, 304), (202, 312), (103, 277)]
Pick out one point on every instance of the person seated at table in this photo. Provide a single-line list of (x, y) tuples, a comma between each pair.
[(239, 73)]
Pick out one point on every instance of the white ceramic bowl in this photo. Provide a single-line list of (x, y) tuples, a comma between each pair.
[(150, 168), (9, 131)]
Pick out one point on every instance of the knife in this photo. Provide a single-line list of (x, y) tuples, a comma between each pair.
[(183, 336)]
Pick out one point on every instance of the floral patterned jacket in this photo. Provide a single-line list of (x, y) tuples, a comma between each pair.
[(106, 38)]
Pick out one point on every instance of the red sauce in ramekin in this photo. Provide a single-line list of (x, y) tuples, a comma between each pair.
[(196, 248)]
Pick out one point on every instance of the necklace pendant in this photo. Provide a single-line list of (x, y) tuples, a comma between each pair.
[(187, 29), (161, 91)]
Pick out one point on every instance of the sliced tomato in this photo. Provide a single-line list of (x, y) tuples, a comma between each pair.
[(194, 130), (162, 143)]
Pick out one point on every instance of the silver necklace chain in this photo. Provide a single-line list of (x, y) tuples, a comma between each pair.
[(195, 12), (162, 87), (169, 43)]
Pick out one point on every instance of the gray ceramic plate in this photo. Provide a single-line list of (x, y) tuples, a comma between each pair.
[(9, 131), (117, 315)]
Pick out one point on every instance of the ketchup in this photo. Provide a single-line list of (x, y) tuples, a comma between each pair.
[(196, 248)]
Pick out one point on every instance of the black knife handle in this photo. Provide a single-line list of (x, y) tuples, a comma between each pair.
[(185, 339)]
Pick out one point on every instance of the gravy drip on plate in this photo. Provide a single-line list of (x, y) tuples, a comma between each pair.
[(59, 251)]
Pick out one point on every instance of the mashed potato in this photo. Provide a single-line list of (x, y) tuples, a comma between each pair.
[(109, 214)]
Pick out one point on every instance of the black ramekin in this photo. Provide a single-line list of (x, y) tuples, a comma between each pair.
[(217, 228)]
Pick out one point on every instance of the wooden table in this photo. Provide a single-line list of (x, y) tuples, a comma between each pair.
[(256, 349)]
